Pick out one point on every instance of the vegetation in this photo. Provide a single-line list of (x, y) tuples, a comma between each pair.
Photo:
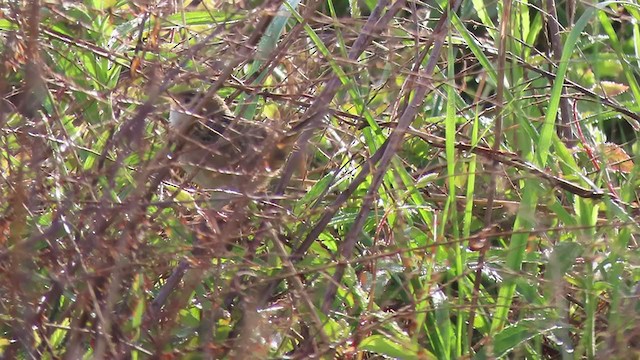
[(465, 185)]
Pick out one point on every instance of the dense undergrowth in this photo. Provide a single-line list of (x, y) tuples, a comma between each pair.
[(466, 188)]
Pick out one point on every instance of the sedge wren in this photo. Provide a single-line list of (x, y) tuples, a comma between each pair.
[(223, 152)]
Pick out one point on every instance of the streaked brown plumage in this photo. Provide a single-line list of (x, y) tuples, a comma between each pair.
[(219, 151)]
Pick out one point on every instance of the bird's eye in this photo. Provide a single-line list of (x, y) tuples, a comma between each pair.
[(187, 97)]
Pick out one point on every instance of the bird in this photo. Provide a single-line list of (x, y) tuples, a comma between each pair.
[(220, 151)]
